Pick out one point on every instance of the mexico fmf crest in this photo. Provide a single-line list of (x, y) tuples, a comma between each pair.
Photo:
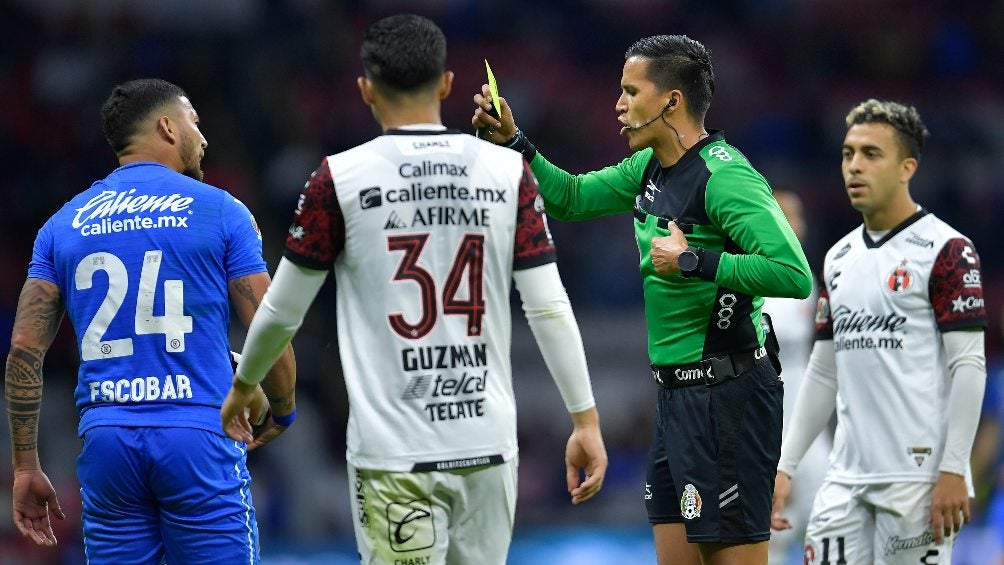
[(690, 502)]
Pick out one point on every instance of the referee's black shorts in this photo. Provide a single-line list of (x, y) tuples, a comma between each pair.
[(714, 457)]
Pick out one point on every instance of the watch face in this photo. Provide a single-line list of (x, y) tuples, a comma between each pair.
[(687, 261)]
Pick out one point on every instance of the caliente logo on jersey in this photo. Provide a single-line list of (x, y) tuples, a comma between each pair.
[(370, 197), (111, 203), (112, 211)]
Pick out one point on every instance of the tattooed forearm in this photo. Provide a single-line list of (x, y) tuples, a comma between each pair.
[(246, 293), (280, 383), (282, 403), (23, 391), (39, 312)]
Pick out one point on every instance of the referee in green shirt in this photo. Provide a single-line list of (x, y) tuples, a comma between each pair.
[(713, 242)]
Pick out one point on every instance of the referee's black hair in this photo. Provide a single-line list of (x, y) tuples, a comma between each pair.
[(404, 53), (130, 103), (679, 62), (910, 129)]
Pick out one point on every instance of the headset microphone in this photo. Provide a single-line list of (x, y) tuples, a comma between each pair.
[(670, 104)]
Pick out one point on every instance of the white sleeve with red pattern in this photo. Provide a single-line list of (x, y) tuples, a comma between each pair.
[(967, 365), (549, 313), (815, 403), (279, 315)]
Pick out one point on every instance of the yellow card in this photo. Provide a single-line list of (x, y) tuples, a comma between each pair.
[(493, 87)]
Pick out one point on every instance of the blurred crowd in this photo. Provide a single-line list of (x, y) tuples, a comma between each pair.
[(274, 84)]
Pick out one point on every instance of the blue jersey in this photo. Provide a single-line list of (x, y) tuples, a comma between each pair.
[(142, 259)]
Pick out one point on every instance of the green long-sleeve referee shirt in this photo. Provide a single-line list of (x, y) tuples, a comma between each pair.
[(724, 206)]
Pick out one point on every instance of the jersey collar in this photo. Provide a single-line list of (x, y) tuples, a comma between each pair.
[(870, 244), (421, 129), (694, 152)]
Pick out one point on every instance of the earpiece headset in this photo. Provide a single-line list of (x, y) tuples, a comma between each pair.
[(670, 104)]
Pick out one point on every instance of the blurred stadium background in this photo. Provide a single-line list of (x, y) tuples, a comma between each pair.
[(273, 82)]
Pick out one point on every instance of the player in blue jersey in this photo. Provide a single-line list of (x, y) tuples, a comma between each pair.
[(147, 262)]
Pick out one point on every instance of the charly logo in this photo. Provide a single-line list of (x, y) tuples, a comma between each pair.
[(690, 502), (650, 191), (900, 279), (967, 254), (410, 526), (831, 280), (111, 203), (725, 311), (720, 152), (657, 376), (370, 197)]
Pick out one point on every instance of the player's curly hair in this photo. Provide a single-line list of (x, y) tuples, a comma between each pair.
[(904, 119), (678, 61), (130, 103), (404, 53)]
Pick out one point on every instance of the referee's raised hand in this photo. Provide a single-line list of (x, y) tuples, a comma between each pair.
[(499, 130)]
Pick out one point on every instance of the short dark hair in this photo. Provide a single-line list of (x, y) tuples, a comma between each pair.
[(910, 130), (404, 53), (130, 103), (677, 61)]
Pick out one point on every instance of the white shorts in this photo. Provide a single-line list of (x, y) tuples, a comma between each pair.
[(434, 518), (884, 524)]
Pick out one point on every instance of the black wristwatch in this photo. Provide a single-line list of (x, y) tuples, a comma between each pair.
[(690, 261)]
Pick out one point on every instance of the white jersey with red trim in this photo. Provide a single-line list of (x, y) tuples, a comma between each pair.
[(424, 229), (885, 304)]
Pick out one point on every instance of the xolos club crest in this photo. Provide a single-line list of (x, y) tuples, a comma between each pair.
[(900, 279)]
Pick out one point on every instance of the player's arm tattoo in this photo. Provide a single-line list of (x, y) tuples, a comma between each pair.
[(241, 288), (246, 294), (282, 402), (39, 313)]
